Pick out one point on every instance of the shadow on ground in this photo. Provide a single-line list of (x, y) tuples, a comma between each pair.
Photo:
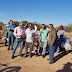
[(11, 69), (59, 56), (67, 68)]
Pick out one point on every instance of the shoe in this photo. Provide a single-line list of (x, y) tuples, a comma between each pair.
[(48, 59), (32, 51), (8, 48), (51, 62), (43, 56), (21, 56), (39, 54), (12, 57), (25, 56), (6, 45), (12, 48)]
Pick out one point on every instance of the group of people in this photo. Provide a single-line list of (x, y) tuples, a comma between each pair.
[(47, 38)]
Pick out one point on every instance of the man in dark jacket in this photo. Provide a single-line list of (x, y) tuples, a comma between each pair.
[(52, 42)]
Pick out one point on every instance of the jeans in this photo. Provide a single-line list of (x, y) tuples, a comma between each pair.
[(58, 45), (17, 41), (43, 45), (51, 52), (10, 38)]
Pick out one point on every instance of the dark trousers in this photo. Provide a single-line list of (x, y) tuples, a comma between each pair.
[(28, 45)]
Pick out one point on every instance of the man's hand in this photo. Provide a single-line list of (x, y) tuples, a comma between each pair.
[(39, 38), (51, 45)]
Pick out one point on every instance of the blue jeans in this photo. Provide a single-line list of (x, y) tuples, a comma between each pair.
[(51, 52), (17, 41), (59, 42), (10, 38)]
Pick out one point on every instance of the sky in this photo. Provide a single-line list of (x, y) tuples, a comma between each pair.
[(56, 12)]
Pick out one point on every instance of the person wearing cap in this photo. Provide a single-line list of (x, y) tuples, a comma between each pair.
[(61, 33), (19, 33), (27, 26), (10, 34), (29, 39), (43, 33)]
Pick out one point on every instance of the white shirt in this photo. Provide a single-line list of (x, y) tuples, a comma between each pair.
[(29, 35), (61, 32)]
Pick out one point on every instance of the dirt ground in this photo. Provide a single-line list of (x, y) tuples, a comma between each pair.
[(63, 62), (35, 64)]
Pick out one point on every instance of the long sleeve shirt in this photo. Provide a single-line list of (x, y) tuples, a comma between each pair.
[(19, 31)]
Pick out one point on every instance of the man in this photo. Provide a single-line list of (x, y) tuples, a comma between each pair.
[(61, 33), (29, 40), (19, 33), (42, 38), (10, 34), (52, 42), (34, 28), (27, 26)]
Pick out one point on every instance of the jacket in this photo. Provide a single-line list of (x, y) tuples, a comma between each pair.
[(52, 37)]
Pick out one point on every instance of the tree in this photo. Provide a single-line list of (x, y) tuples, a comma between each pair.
[(25, 22), (16, 23), (1, 23)]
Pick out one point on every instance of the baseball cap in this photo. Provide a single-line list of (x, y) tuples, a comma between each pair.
[(61, 26), (21, 23), (30, 25), (43, 26)]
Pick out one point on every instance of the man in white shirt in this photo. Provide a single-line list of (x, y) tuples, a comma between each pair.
[(29, 40)]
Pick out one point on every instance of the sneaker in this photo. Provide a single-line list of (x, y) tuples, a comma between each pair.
[(25, 56), (12, 57), (12, 48), (39, 54), (6, 45), (51, 62), (21, 56), (32, 51), (8, 48), (43, 56)]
